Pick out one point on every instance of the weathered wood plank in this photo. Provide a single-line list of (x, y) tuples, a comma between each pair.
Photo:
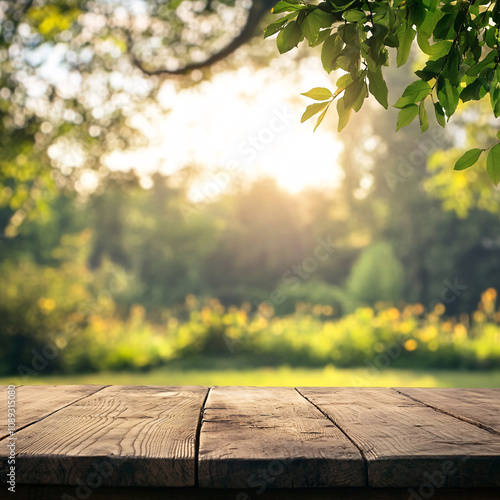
[(407, 444), (3, 410), (44, 492), (480, 407), (263, 437), (35, 402), (120, 436)]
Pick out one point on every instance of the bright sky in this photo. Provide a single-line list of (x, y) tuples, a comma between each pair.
[(246, 123)]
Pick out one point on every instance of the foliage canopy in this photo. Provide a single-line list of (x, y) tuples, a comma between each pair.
[(460, 40)]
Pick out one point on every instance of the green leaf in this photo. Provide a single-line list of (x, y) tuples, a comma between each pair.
[(375, 42), (475, 90), (354, 16), (282, 6), (378, 87), (415, 92), (361, 98), (468, 159), (344, 81), (350, 34), (318, 93), (423, 43), (490, 37), (487, 62), (493, 164), (419, 13), (444, 28), (448, 97), (440, 117), (425, 75), (405, 37), (498, 134), (407, 115), (431, 4), (439, 49), (276, 26), (344, 114), (323, 35), (289, 37), (494, 89), (320, 118), (453, 67), (423, 118), (341, 5), (312, 109), (313, 22), (332, 47), (354, 91), (430, 21)]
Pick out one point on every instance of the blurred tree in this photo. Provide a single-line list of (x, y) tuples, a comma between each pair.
[(262, 238), (145, 232), (72, 73), (376, 277)]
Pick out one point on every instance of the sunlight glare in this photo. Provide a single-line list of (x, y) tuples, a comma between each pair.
[(253, 130)]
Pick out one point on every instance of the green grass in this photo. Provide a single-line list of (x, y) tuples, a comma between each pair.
[(279, 376)]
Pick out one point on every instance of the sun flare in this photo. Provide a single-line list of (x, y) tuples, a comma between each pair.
[(244, 123)]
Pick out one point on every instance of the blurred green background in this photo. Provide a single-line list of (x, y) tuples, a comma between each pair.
[(388, 277)]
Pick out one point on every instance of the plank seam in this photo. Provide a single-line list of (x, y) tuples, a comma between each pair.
[(55, 411), (197, 438), (365, 460), (467, 420)]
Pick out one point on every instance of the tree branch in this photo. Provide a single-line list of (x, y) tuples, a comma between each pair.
[(256, 13)]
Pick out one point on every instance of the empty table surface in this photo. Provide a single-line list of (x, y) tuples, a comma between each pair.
[(254, 438)]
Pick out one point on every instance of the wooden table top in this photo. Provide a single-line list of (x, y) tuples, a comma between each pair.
[(254, 437)]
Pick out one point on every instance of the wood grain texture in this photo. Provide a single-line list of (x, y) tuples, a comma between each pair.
[(261, 441), (407, 444), (480, 407), (3, 410), (120, 436), (34, 402), (262, 437)]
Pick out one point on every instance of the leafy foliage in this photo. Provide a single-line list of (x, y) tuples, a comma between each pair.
[(310, 336), (369, 282), (460, 40), (118, 266)]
